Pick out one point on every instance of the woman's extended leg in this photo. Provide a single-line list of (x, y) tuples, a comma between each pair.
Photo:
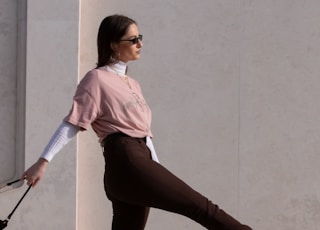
[(128, 216), (133, 178)]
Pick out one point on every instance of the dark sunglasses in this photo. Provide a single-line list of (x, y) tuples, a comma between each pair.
[(134, 40)]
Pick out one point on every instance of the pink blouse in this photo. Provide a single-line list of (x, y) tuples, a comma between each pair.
[(110, 104)]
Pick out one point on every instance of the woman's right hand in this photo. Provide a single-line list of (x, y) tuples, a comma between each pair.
[(35, 172)]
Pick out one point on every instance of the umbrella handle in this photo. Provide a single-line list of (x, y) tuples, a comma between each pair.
[(8, 218), (12, 182), (4, 223)]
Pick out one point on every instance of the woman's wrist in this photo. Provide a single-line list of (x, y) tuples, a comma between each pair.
[(42, 160)]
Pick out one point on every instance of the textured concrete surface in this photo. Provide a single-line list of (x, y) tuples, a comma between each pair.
[(233, 86)]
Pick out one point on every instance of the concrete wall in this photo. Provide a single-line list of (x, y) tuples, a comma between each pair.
[(8, 92), (51, 76), (52, 44), (233, 86)]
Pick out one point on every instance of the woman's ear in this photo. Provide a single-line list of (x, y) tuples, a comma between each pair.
[(114, 46)]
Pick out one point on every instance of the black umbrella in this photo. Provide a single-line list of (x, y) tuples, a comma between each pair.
[(4, 223)]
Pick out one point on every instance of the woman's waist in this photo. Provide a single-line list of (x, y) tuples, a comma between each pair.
[(117, 135)]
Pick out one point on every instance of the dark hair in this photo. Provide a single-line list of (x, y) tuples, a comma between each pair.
[(111, 29)]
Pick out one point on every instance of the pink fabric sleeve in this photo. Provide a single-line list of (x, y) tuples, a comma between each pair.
[(85, 107)]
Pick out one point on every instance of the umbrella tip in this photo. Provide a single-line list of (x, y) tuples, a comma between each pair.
[(3, 224)]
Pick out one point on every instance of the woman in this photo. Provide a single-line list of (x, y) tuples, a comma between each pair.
[(113, 104)]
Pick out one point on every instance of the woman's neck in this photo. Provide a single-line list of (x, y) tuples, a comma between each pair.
[(118, 68)]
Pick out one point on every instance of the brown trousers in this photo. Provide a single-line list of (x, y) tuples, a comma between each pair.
[(134, 182)]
